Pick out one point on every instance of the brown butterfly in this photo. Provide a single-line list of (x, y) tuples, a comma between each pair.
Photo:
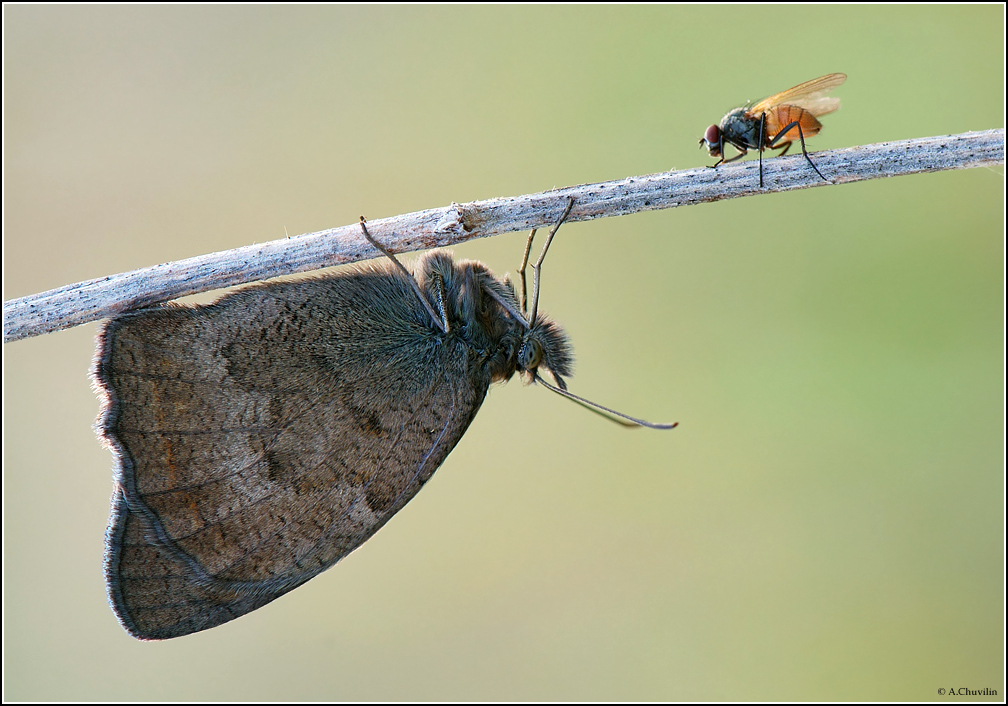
[(775, 122), (260, 439)]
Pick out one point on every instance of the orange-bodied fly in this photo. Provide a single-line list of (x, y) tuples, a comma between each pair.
[(775, 122)]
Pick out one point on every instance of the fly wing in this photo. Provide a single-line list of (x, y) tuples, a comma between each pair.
[(261, 439), (810, 95)]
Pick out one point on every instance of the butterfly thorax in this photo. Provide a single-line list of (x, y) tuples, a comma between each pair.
[(497, 343)]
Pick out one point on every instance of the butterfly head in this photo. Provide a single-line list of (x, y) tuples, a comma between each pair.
[(545, 345)]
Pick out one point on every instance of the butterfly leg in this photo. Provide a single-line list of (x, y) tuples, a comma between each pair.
[(521, 271), (442, 299), (538, 264), (440, 321)]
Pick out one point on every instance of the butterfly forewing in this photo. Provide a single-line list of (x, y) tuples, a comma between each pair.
[(281, 456)]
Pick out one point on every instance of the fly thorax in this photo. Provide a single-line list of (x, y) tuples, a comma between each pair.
[(740, 129)]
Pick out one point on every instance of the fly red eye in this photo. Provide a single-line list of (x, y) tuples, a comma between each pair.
[(713, 135)]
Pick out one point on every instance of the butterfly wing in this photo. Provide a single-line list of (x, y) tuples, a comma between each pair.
[(261, 439)]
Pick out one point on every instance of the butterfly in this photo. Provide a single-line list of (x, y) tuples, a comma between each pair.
[(260, 439)]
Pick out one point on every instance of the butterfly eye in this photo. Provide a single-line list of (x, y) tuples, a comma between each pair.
[(530, 355)]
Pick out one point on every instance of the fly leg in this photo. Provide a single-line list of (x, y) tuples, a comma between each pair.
[(801, 137), (742, 151)]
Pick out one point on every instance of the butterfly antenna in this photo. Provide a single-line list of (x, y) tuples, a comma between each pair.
[(611, 414)]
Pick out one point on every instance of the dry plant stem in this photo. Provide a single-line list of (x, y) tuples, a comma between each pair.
[(99, 298)]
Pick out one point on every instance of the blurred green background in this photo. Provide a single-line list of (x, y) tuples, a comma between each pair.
[(825, 523)]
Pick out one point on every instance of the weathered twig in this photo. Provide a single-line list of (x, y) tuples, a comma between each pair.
[(98, 298)]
